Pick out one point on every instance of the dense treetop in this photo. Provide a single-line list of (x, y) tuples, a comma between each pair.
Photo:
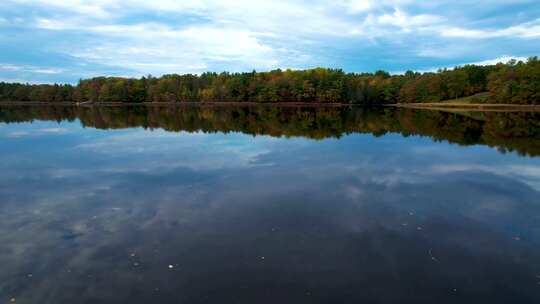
[(512, 83)]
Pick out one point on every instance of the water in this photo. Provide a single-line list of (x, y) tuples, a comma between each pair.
[(268, 205)]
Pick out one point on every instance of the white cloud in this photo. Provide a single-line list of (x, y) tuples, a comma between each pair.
[(356, 6), (440, 25), (278, 16), (166, 49), (27, 68), (21, 80), (10, 67), (409, 22), (94, 8), (502, 59), (494, 61), (192, 36), (46, 71), (524, 30)]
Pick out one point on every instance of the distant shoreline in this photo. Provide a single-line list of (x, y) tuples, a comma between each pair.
[(470, 84), (158, 104)]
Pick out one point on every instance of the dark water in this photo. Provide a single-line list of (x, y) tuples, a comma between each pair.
[(268, 205)]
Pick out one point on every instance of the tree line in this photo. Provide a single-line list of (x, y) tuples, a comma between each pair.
[(513, 83)]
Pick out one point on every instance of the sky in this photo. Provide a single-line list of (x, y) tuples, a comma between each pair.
[(46, 41)]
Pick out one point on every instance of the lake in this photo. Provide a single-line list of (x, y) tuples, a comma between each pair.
[(262, 204)]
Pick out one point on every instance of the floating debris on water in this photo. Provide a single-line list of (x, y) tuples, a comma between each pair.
[(418, 228), (262, 258), (12, 300), (433, 258), (517, 238), (171, 266)]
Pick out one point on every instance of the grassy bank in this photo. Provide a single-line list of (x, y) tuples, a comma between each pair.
[(480, 98)]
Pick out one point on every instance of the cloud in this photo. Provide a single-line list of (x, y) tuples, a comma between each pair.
[(494, 61), (31, 69), (21, 80), (409, 22), (136, 37), (356, 6), (524, 30), (95, 8), (151, 46), (440, 25), (502, 59), (280, 16)]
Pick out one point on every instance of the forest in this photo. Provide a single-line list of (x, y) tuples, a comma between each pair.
[(515, 82)]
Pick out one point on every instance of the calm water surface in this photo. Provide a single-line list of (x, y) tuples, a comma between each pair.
[(272, 205)]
